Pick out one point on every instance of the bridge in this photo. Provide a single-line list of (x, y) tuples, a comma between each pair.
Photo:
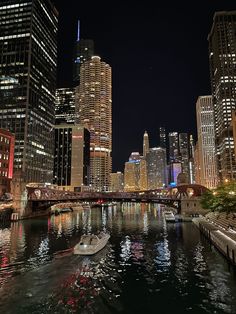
[(41, 198)]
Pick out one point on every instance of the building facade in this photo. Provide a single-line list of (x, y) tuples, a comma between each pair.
[(94, 105), (72, 154), (162, 137), (206, 142), (145, 144), (184, 152), (65, 106), (7, 142), (132, 175), (28, 60), (117, 182), (156, 168), (222, 58), (173, 147)]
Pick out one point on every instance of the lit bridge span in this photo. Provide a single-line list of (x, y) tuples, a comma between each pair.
[(40, 198)]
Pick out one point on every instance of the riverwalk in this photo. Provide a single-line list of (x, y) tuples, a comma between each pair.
[(220, 229)]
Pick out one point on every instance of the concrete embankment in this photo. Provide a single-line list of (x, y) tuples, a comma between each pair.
[(224, 241)]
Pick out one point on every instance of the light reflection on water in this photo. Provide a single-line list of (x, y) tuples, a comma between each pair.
[(147, 265)]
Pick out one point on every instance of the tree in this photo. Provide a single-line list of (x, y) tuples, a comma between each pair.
[(222, 199)]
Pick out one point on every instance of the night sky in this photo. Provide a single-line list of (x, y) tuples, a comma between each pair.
[(159, 60)]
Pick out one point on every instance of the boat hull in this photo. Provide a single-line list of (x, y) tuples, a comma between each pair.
[(91, 249)]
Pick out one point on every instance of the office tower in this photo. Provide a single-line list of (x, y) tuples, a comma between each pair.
[(28, 60), (71, 166), (156, 168), (84, 50), (7, 142), (65, 106), (184, 152), (173, 147), (197, 168), (175, 169), (222, 58), (162, 133), (143, 180), (206, 141), (94, 103), (191, 160), (117, 182), (132, 175), (145, 144)]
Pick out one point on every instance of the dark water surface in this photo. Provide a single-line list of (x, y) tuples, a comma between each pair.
[(147, 267)]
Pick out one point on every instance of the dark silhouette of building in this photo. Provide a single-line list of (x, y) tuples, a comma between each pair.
[(84, 50)]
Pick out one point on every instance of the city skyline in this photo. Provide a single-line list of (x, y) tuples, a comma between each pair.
[(159, 59)]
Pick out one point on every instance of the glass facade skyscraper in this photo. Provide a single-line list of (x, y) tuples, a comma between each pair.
[(222, 60), (206, 143), (28, 60), (83, 51), (65, 106)]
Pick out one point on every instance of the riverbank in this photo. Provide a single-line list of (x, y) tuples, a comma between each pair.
[(219, 229)]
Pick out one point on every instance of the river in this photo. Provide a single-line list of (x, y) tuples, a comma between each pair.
[(148, 266)]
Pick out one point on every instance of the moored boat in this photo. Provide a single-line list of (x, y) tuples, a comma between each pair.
[(169, 216), (90, 244)]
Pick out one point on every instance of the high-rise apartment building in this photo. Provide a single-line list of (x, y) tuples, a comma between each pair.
[(84, 50), (184, 152), (145, 144), (28, 60), (94, 103), (173, 147), (65, 106), (162, 135), (222, 59), (71, 166), (206, 142), (156, 168)]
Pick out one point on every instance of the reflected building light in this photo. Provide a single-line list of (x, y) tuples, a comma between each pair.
[(145, 223), (43, 248), (125, 249)]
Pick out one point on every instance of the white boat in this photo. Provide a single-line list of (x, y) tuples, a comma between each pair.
[(90, 244), (169, 216)]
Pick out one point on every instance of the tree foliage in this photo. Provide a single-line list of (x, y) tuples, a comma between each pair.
[(221, 199)]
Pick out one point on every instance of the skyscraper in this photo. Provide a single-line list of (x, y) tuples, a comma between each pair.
[(117, 182), (84, 50), (71, 165), (145, 144), (173, 147), (28, 60), (206, 142), (65, 106), (184, 152), (162, 134), (222, 58), (156, 168), (94, 105)]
